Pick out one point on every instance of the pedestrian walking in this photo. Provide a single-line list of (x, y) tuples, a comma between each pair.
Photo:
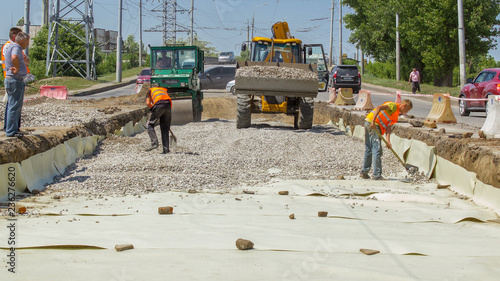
[(381, 119), (160, 105), (16, 71), (414, 80)]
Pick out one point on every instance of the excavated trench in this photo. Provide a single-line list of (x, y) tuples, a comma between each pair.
[(476, 155)]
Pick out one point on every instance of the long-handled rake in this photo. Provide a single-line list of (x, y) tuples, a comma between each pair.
[(411, 169)]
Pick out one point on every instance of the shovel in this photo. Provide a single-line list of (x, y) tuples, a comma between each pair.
[(411, 169), (173, 140)]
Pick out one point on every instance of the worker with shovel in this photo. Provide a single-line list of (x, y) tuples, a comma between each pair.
[(160, 105), (377, 123)]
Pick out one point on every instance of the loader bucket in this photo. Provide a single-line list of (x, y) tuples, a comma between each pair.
[(285, 83)]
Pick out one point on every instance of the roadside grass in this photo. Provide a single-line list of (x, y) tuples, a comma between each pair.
[(78, 83), (403, 85)]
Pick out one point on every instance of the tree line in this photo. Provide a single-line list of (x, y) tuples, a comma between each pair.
[(428, 36)]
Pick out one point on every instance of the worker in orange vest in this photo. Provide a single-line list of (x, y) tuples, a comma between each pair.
[(160, 105), (381, 119), (12, 36)]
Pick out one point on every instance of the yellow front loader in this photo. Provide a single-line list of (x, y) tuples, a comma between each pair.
[(281, 94)]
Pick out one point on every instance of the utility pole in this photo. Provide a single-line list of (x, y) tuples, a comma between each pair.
[(119, 45), (340, 33), (27, 21), (330, 58), (45, 12), (362, 62), (398, 50), (461, 43), (253, 20), (192, 23), (140, 33)]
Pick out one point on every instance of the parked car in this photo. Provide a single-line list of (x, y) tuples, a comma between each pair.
[(144, 76), (345, 76), (217, 77), (226, 57), (230, 87), (487, 83)]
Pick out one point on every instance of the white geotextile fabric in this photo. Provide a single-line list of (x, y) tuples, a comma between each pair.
[(459, 179), (417, 229), (40, 169), (11, 173), (422, 156)]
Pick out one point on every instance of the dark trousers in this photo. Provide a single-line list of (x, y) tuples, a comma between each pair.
[(415, 86), (162, 113)]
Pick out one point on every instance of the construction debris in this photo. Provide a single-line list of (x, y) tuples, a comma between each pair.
[(165, 210), (369, 252), (243, 244), (124, 247), (322, 214)]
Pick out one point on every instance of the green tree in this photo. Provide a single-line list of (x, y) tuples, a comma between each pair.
[(428, 32), (244, 55), (131, 49), (20, 22)]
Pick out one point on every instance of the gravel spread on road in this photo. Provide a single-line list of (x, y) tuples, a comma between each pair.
[(214, 155)]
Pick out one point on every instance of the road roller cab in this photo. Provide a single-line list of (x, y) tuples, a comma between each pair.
[(176, 68)]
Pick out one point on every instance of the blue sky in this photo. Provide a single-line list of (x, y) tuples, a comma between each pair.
[(221, 22)]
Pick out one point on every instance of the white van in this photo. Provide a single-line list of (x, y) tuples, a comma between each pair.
[(226, 57)]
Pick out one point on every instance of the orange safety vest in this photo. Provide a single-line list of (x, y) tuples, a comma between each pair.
[(157, 94), (383, 119), (3, 61)]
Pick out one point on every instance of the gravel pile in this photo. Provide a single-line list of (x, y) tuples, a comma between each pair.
[(214, 155), (275, 72), (56, 115)]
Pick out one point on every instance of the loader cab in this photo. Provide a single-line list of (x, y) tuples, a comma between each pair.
[(277, 50), (314, 54)]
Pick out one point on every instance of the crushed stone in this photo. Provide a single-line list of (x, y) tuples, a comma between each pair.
[(258, 71)]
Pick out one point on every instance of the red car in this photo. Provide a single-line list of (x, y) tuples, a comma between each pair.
[(144, 76), (487, 83)]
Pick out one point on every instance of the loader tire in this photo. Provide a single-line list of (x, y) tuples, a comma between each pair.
[(243, 118), (306, 113)]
